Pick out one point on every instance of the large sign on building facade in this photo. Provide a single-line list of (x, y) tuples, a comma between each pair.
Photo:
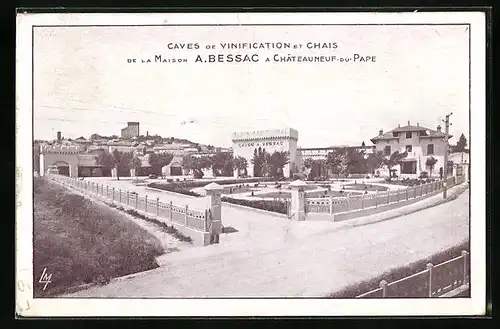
[(246, 144)]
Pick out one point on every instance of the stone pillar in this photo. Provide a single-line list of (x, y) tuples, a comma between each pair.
[(214, 191), (42, 165), (165, 170), (114, 173), (286, 170), (298, 200), (250, 169)]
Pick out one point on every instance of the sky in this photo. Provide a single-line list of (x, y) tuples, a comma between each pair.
[(83, 83)]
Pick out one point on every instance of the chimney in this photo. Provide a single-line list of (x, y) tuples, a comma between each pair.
[(439, 128), (380, 132), (408, 122), (59, 136), (417, 125), (399, 126), (147, 133)]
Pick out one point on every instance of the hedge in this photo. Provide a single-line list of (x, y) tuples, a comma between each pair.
[(268, 205), (174, 187)]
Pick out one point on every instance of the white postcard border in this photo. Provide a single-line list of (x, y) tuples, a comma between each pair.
[(29, 307)]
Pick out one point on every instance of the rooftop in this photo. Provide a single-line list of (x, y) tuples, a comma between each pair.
[(425, 132)]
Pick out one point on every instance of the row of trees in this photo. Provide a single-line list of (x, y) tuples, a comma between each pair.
[(348, 161), (224, 164), (123, 161)]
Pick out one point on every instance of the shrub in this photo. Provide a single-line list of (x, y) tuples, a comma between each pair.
[(300, 176), (268, 205)]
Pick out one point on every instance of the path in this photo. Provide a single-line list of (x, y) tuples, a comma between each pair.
[(297, 262)]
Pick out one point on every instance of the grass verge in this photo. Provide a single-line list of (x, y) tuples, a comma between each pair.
[(163, 226), (399, 273), (80, 242)]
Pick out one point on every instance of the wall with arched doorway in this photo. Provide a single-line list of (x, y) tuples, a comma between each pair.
[(174, 169)]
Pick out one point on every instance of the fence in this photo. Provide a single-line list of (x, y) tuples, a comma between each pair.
[(185, 216), (335, 205), (434, 281)]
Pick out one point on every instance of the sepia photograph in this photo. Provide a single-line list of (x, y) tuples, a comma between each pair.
[(196, 159)]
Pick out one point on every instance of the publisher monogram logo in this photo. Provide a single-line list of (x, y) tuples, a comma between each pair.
[(45, 278)]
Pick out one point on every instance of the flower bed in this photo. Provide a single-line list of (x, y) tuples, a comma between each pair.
[(268, 205), (366, 187), (194, 184), (411, 182)]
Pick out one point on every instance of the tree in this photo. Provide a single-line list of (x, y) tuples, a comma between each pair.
[(375, 161), (222, 164), (241, 165), (136, 164), (363, 144), (277, 161), (461, 144), (158, 161), (356, 162), (258, 161), (338, 162), (430, 162), (198, 164), (188, 162), (266, 166), (314, 167), (115, 160), (393, 160)]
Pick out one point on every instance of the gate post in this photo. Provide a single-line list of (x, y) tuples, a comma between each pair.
[(383, 285), (298, 200), (464, 255), (429, 267), (214, 192)]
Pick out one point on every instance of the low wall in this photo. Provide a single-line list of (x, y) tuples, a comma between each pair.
[(375, 210), (372, 210), (199, 238)]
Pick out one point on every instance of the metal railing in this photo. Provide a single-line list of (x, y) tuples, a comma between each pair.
[(434, 281), (335, 205), (183, 215)]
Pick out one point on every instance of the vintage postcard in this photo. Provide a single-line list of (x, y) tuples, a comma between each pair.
[(250, 164)]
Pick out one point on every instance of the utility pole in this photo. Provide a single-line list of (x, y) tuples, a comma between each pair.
[(445, 169)]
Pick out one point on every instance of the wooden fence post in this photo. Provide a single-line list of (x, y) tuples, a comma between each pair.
[(376, 199), (157, 206), (171, 211), (127, 198), (331, 204), (107, 191), (464, 255), (348, 203), (363, 202), (383, 285), (136, 200), (113, 194), (399, 190), (186, 216), (120, 191), (146, 203), (388, 197), (429, 267)]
